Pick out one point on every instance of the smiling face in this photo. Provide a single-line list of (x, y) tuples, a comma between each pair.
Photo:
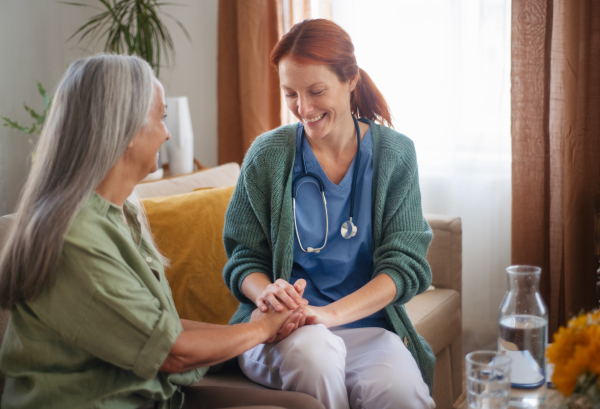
[(143, 149), (317, 98)]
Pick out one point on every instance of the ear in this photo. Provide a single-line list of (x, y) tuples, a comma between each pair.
[(352, 83)]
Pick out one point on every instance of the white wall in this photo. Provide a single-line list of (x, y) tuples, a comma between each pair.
[(33, 45)]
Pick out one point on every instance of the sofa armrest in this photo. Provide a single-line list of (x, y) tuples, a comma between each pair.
[(445, 252)]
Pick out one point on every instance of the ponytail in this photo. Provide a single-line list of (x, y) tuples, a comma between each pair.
[(368, 102)]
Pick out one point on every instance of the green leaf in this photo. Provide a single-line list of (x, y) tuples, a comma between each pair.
[(70, 3), (93, 22), (33, 114), (38, 118), (44, 94), (179, 23), (16, 125)]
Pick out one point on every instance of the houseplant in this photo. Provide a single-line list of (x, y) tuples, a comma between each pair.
[(35, 129), (132, 27)]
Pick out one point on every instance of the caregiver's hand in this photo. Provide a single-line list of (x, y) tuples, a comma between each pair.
[(309, 315), (290, 326), (317, 315), (276, 322), (203, 344), (280, 294)]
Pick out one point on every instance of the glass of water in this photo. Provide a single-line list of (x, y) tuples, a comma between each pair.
[(488, 380)]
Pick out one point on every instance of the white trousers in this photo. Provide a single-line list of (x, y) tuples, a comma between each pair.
[(359, 368)]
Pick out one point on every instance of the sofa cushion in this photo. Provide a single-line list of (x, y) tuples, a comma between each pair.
[(189, 231), (436, 316), (220, 176)]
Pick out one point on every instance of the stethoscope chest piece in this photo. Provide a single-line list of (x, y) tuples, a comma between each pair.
[(348, 229)]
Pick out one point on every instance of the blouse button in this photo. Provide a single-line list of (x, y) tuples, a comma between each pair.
[(149, 259), (406, 342)]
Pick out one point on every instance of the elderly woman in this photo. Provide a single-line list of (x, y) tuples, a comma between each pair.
[(326, 218), (93, 323)]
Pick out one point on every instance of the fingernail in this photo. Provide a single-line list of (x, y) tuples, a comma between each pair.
[(279, 308)]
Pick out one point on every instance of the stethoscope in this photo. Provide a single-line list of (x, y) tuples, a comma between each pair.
[(348, 229)]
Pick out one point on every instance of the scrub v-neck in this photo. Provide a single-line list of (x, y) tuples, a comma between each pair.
[(343, 266)]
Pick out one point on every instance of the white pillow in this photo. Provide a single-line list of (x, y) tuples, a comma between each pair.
[(220, 176)]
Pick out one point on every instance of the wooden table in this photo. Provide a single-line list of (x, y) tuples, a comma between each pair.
[(553, 400)]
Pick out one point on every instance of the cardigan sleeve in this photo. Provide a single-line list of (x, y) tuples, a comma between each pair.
[(406, 235), (246, 242)]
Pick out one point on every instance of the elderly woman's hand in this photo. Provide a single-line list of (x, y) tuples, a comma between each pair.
[(280, 294), (308, 315), (284, 321)]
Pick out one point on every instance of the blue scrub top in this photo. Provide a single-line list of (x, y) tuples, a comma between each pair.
[(344, 265)]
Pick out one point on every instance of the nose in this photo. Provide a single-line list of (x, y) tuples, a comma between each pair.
[(304, 105), (168, 135)]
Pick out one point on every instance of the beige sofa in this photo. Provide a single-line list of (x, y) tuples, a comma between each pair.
[(436, 314)]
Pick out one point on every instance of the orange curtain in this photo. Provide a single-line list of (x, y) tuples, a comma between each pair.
[(249, 98), (555, 98), (248, 87)]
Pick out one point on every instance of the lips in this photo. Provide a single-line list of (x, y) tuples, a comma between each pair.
[(315, 119)]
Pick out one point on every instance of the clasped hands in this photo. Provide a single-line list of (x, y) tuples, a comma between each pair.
[(282, 297)]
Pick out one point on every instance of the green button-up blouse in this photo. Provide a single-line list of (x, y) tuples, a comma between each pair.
[(98, 335)]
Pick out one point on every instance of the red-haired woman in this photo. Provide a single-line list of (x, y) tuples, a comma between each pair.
[(326, 218)]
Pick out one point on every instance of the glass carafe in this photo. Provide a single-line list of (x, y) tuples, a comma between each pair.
[(523, 331)]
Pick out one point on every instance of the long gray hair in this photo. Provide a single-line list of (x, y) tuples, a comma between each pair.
[(100, 105)]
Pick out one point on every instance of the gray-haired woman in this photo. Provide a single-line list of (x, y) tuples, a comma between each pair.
[(93, 323)]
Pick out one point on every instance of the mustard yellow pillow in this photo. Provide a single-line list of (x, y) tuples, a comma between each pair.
[(188, 229)]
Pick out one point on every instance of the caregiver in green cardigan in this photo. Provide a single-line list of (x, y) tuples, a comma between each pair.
[(326, 219)]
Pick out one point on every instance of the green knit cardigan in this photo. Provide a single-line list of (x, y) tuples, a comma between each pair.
[(259, 225)]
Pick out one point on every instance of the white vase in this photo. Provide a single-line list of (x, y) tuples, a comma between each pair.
[(180, 148)]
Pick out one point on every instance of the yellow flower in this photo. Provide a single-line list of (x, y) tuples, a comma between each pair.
[(575, 351)]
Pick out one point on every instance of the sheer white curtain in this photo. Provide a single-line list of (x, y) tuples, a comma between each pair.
[(444, 68)]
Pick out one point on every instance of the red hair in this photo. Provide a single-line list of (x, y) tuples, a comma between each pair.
[(321, 41)]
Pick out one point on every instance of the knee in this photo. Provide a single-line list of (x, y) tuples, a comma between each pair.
[(390, 393), (315, 349), (410, 396)]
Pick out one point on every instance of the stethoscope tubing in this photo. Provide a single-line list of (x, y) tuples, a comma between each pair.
[(321, 187), (310, 249)]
